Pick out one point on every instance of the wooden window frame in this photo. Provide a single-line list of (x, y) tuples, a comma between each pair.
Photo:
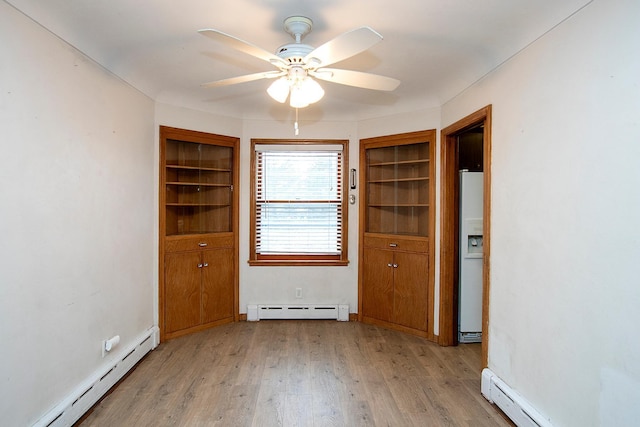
[(299, 259)]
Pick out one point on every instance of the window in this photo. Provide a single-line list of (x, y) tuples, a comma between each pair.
[(298, 206)]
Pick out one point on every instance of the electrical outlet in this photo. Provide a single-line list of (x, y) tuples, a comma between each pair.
[(299, 293)]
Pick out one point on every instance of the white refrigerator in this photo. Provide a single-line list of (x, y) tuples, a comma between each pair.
[(470, 261)]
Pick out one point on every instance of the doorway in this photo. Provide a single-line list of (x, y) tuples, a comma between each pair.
[(451, 161)]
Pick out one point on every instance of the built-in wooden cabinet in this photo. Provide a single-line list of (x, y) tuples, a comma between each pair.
[(198, 227), (199, 282), (396, 226)]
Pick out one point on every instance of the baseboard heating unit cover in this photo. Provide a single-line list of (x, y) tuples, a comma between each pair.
[(298, 311), (72, 408), (511, 403)]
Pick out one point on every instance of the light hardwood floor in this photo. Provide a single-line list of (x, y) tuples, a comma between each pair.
[(301, 373)]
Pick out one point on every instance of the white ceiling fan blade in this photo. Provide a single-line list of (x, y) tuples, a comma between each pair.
[(242, 46), (244, 79), (356, 78), (344, 46)]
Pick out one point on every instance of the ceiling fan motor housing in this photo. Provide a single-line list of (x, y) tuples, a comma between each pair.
[(294, 53), (298, 26)]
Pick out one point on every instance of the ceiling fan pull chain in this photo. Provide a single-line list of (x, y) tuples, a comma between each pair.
[(296, 130)]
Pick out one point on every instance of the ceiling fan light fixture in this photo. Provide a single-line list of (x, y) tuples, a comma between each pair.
[(298, 98), (311, 90), (305, 92), (279, 89)]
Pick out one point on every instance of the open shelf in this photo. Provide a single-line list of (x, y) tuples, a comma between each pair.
[(198, 182), (397, 189)]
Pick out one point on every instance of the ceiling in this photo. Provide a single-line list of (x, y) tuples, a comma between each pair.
[(436, 48)]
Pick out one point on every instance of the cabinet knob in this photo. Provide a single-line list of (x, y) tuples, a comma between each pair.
[(206, 264), (199, 265), (395, 265), (389, 265), (393, 245), (202, 245)]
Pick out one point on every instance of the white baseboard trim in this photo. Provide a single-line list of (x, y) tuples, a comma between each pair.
[(88, 393), (257, 312), (512, 404)]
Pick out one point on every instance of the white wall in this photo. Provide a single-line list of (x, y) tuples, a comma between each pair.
[(400, 123), (565, 292), (76, 217)]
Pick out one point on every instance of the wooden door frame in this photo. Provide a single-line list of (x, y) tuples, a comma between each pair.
[(449, 230)]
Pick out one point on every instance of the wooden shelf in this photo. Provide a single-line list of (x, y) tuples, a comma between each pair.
[(379, 181), (403, 162), (197, 168), (198, 184), (198, 205), (198, 179), (397, 180), (398, 205)]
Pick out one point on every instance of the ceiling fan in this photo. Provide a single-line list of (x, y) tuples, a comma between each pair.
[(298, 63)]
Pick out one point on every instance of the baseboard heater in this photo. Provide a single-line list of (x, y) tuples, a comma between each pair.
[(257, 312), (511, 403), (71, 409)]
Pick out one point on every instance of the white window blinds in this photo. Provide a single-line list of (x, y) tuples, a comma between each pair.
[(298, 200)]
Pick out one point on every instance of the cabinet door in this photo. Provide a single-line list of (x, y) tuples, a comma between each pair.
[(217, 284), (181, 290), (377, 284), (410, 286)]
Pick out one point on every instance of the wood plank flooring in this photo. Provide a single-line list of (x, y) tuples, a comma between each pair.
[(301, 373)]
